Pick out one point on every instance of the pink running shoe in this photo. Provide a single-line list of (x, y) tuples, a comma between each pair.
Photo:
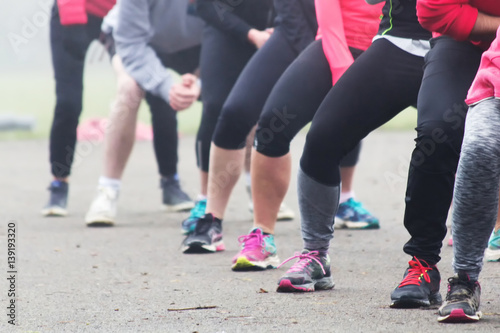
[(258, 252), (311, 272)]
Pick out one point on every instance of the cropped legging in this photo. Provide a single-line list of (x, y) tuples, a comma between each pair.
[(223, 57)]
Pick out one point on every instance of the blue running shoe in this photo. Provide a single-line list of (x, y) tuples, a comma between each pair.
[(197, 213), (58, 199), (492, 252), (352, 215)]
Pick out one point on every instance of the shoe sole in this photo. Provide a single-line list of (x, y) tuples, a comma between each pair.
[(100, 222), (54, 212), (459, 316), (285, 216), (242, 264), (433, 302), (286, 286), (344, 224), (182, 207), (281, 217), (197, 247), (492, 255)]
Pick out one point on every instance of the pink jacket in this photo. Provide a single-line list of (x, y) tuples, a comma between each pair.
[(344, 23), (75, 11), (487, 81)]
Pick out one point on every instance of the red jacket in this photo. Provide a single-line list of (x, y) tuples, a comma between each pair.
[(454, 18), (344, 23), (487, 81), (75, 11)]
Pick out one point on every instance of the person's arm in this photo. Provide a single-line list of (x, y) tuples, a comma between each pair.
[(72, 12), (457, 19), (132, 35), (219, 14), (485, 27), (331, 30)]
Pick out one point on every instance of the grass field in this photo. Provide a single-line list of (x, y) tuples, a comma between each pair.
[(32, 94)]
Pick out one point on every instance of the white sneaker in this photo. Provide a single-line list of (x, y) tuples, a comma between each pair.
[(102, 211), (284, 214)]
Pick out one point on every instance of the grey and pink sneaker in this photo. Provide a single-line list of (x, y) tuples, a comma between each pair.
[(206, 237), (311, 272), (258, 252)]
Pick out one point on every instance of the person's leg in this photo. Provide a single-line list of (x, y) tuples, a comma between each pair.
[(449, 70), (120, 138), (68, 73), (120, 135), (378, 85), (222, 60), (165, 138), (239, 115), (247, 98), (493, 250), (351, 213), (291, 105), (476, 206), (165, 143)]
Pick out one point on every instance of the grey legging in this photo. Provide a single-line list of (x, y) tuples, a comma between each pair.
[(475, 198)]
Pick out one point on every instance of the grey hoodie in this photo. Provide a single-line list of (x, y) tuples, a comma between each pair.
[(148, 27)]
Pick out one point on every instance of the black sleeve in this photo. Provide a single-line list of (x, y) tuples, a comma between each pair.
[(219, 14)]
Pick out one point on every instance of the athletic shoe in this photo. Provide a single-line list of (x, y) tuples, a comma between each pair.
[(174, 199), (311, 272), (258, 252), (58, 199), (419, 288), (450, 241), (197, 212), (102, 211), (462, 301), (352, 215), (492, 252), (284, 214), (206, 237)]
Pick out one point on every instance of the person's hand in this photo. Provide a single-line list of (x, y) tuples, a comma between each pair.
[(259, 37), (182, 95), (75, 40)]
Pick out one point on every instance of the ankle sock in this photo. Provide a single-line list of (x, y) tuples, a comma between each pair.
[(344, 196), (110, 182)]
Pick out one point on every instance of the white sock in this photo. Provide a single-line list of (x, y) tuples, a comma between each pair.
[(110, 182), (248, 179), (201, 197), (344, 196)]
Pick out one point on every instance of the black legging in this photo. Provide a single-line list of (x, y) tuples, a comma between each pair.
[(69, 87), (68, 72), (164, 118), (382, 82), (246, 100), (293, 102), (450, 68), (223, 57)]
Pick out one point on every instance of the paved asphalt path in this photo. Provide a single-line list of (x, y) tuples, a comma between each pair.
[(134, 278)]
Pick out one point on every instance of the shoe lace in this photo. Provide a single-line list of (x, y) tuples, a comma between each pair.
[(198, 209), (415, 273), (250, 242), (303, 262), (358, 208)]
